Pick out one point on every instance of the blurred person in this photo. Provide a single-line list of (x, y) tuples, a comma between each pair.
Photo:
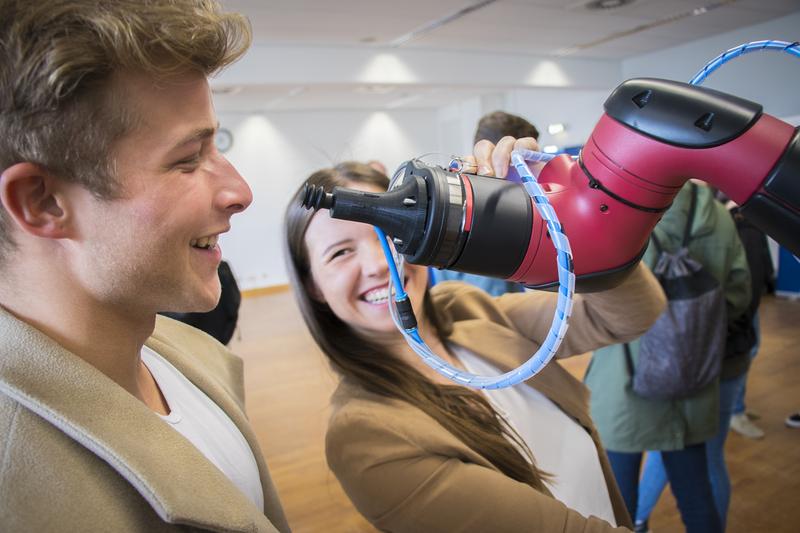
[(681, 430), (498, 124), (741, 346), (377, 165), (112, 198), (748, 329)]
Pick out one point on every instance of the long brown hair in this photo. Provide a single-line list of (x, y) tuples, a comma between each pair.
[(462, 411)]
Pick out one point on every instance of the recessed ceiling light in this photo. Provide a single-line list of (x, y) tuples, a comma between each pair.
[(608, 4), (375, 89), (227, 90)]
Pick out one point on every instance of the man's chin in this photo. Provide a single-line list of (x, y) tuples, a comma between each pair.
[(205, 308), (200, 302)]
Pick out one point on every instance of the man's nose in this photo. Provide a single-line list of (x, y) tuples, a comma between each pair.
[(234, 195)]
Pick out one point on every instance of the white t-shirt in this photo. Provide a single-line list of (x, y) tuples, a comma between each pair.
[(560, 445), (204, 424)]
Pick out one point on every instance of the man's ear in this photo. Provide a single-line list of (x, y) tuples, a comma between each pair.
[(34, 199)]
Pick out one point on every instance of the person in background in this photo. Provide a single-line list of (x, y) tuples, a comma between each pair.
[(741, 346), (747, 329), (377, 165), (491, 127), (112, 198), (681, 429), (417, 452)]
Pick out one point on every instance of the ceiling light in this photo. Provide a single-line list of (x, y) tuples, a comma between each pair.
[(561, 52), (555, 129), (550, 149), (375, 89), (608, 4), (272, 104), (226, 90)]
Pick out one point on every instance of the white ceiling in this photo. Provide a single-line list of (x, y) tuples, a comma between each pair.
[(541, 28)]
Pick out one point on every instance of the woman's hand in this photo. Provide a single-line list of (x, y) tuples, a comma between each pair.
[(493, 160)]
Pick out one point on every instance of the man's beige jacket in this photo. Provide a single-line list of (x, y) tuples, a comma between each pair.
[(79, 453)]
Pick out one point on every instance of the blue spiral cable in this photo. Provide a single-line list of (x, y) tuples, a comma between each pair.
[(738, 51)]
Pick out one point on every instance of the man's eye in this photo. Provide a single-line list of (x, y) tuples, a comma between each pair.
[(189, 164)]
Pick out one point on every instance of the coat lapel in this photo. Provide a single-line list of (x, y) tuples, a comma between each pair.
[(104, 418), (211, 387)]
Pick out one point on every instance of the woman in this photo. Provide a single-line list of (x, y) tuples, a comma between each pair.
[(415, 452)]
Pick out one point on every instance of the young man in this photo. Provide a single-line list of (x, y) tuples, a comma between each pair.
[(112, 197)]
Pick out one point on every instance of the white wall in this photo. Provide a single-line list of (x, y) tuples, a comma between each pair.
[(578, 110), (456, 125), (769, 78), (275, 152)]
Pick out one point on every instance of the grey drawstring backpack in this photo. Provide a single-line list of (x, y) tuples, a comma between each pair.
[(683, 351)]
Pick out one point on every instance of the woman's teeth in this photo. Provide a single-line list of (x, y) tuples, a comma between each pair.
[(377, 296), (205, 242), (380, 296)]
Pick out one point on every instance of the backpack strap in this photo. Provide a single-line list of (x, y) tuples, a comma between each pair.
[(687, 230), (692, 206), (656, 243), (628, 359)]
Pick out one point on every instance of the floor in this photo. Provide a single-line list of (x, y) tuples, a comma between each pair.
[(288, 384)]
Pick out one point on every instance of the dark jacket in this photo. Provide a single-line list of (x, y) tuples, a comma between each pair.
[(742, 334)]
